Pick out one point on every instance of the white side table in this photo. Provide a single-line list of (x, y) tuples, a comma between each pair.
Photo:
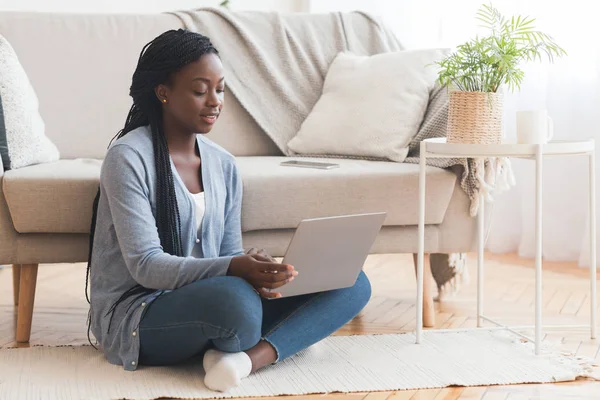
[(438, 148)]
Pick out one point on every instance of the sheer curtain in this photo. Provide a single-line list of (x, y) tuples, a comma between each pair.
[(569, 89)]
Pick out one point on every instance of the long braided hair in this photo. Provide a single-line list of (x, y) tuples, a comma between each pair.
[(158, 61)]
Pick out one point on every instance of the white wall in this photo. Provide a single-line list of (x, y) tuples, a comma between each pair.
[(149, 6), (416, 23)]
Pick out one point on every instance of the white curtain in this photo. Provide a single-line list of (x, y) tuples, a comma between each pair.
[(569, 89)]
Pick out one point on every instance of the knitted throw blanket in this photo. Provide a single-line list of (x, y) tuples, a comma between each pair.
[(276, 63)]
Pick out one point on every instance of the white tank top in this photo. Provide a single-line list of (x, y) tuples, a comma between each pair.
[(200, 208)]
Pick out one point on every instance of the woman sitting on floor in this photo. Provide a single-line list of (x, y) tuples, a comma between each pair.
[(169, 278)]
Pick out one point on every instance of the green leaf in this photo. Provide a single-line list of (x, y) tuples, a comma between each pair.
[(486, 63)]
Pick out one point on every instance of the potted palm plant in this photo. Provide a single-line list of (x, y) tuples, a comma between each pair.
[(479, 68)]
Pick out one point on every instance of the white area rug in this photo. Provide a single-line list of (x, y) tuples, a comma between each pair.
[(337, 364)]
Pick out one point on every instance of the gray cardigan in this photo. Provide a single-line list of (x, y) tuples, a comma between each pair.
[(127, 248)]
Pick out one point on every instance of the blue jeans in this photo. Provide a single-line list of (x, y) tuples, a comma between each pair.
[(227, 314)]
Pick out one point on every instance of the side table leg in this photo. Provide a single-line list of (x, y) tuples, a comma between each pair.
[(538, 247), (428, 282), (593, 298), (480, 252), (420, 255)]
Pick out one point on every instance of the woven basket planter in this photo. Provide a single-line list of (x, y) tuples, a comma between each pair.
[(475, 117)]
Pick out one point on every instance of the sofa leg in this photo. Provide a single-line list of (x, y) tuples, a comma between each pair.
[(428, 307), (16, 271), (26, 299)]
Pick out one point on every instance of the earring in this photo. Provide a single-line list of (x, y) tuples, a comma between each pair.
[(164, 100)]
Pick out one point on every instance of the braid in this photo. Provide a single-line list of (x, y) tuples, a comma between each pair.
[(158, 61)]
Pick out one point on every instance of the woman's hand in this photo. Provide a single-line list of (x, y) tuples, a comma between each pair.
[(260, 252), (262, 273)]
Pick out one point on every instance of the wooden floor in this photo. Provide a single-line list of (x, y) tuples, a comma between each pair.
[(61, 311)]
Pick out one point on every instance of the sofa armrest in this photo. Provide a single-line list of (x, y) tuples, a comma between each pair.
[(8, 235)]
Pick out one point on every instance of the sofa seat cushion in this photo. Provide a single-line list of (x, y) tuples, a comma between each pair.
[(54, 197), (57, 197), (278, 197)]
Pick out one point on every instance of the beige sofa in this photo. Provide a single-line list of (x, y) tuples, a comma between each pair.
[(81, 66)]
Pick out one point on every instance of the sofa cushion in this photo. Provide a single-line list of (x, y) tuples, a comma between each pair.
[(277, 197), (52, 198), (346, 122), (57, 197)]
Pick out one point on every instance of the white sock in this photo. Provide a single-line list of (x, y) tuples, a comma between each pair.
[(228, 370), (211, 357)]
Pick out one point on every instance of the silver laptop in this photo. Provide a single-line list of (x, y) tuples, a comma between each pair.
[(329, 253)]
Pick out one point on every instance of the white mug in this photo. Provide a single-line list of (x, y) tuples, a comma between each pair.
[(534, 127)]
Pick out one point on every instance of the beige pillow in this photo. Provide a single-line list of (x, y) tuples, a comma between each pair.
[(371, 106)]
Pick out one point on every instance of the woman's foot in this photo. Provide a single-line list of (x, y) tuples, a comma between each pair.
[(211, 357), (225, 371)]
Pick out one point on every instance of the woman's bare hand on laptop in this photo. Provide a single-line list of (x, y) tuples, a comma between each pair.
[(262, 273)]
